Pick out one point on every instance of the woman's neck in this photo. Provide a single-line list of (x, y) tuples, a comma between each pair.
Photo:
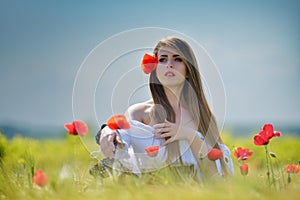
[(174, 96)]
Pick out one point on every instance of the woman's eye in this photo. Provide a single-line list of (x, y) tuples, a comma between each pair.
[(162, 60), (178, 59)]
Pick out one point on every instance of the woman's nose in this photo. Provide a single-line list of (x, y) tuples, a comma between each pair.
[(170, 64)]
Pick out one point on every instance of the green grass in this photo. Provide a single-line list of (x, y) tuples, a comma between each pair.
[(66, 163)]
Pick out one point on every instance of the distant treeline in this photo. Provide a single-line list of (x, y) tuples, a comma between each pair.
[(58, 132), (39, 133)]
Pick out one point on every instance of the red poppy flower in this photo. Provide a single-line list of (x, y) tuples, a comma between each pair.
[(152, 151), (40, 178), (260, 140), (77, 128), (266, 133), (292, 168), (269, 131), (214, 154), (149, 63), (242, 153), (118, 121), (244, 169)]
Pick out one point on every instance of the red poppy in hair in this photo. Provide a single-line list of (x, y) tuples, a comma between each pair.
[(149, 63)]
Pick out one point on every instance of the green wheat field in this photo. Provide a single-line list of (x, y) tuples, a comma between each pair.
[(67, 162)]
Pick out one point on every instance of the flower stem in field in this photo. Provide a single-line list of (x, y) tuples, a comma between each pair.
[(289, 178), (280, 172), (272, 172), (268, 169)]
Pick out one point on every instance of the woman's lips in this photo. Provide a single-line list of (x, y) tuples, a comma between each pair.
[(169, 74)]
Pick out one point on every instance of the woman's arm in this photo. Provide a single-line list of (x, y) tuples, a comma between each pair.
[(138, 112), (198, 146), (107, 137)]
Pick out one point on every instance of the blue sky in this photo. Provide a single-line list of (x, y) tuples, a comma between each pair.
[(255, 44)]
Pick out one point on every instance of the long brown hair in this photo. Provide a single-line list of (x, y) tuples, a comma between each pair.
[(192, 94)]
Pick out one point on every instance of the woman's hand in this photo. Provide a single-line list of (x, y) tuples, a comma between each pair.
[(173, 132), (107, 142)]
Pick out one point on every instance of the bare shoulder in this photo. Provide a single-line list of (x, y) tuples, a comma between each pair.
[(139, 111)]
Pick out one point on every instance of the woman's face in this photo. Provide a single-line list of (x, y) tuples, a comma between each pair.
[(171, 70)]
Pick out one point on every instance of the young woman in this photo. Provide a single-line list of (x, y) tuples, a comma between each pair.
[(177, 119)]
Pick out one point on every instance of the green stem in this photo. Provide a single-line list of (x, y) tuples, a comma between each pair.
[(272, 172), (268, 169), (289, 178), (281, 173)]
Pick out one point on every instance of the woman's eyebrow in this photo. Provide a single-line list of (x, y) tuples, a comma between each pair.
[(175, 55), (163, 55)]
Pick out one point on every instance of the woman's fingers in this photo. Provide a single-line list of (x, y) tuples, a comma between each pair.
[(165, 135), (166, 130), (162, 125), (168, 141), (107, 145), (117, 138), (108, 149), (162, 130), (111, 137)]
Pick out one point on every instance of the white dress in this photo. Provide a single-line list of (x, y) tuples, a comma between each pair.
[(134, 157)]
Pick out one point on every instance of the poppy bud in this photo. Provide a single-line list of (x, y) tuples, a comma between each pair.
[(244, 169), (272, 154)]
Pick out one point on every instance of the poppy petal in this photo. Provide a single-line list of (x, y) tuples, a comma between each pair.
[(268, 127), (40, 178), (259, 140), (292, 168), (152, 151), (242, 153), (149, 63), (244, 169), (77, 128), (118, 121), (80, 127), (214, 154), (71, 129), (277, 134), (236, 153)]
